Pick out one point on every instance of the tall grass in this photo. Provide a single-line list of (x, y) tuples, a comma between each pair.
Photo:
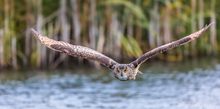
[(123, 29)]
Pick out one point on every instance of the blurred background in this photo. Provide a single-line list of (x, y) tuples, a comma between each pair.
[(122, 29), (34, 77)]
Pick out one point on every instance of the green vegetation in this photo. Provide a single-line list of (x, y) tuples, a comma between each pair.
[(123, 29)]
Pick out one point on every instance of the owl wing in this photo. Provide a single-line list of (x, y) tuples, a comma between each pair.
[(74, 50), (168, 46)]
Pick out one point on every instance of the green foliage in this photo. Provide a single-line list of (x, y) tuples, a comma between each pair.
[(131, 46), (136, 19), (133, 9), (49, 6)]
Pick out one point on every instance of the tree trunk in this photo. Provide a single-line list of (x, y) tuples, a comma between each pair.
[(156, 18), (116, 34), (130, 29), (14, 53), (101, 40), (138, 30), (6, 31), (154, 27), (92, 24), (76, 21), (213, 33), (193, 27), (151, 33), (64, 32), (1, 49), (201, 24), (28, 39), (166, 25), (201, 13), (41, 50), (108, 20)]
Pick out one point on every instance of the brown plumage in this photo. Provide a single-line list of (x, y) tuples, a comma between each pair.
[(74, 50), (121, 71)]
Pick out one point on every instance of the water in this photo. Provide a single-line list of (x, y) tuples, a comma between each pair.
[(191, 85)]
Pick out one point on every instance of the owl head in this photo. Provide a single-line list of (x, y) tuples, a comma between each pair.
[(125, 72)]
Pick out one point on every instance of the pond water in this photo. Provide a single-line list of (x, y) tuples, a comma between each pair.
[(188, 85)]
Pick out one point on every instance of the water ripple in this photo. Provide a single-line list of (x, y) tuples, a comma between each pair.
[(197, 88)]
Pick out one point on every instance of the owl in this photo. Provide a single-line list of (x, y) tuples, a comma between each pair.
[(122, 72)]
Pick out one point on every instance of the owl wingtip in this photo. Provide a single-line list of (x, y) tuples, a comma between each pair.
[(34, 32), (210, 24)]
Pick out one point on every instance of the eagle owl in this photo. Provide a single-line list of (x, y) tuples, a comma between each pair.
[(121, 71)]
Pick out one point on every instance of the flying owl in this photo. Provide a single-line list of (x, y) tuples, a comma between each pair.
[(122, 72)]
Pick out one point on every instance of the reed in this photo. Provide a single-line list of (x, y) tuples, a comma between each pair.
[(114, 27)]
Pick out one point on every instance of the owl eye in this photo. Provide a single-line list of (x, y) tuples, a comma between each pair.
[(125, 69), (117, 70)]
